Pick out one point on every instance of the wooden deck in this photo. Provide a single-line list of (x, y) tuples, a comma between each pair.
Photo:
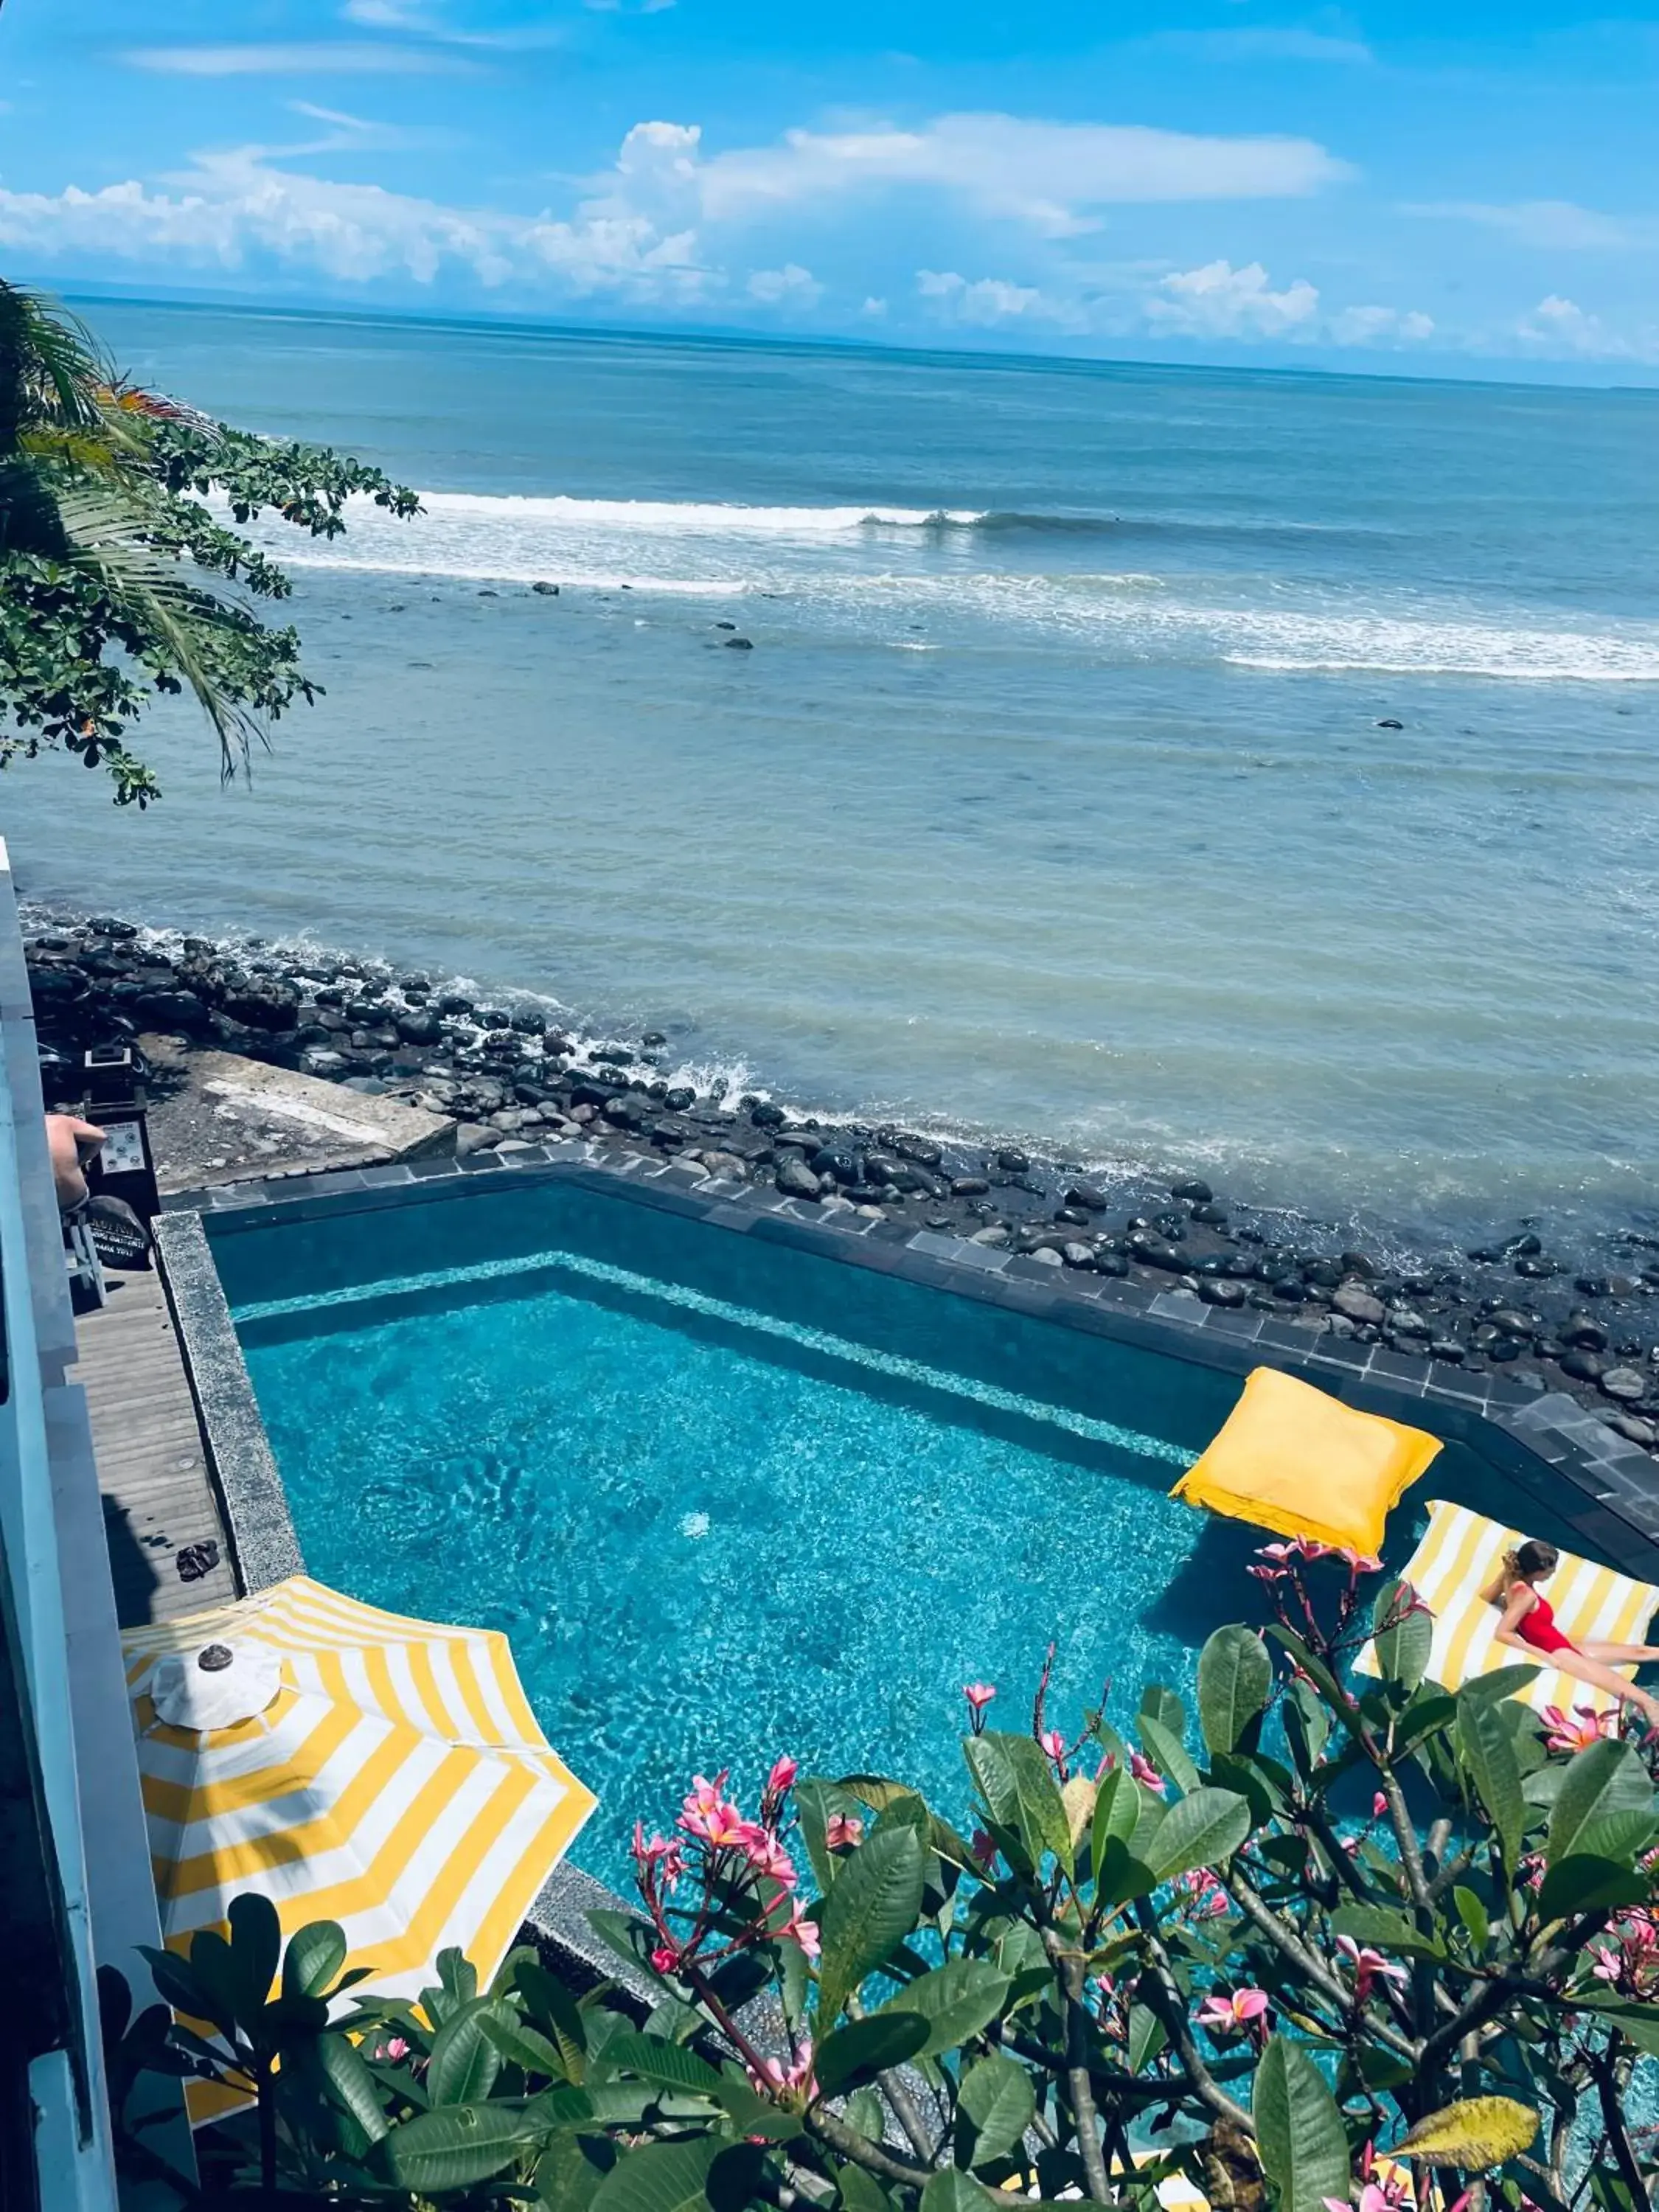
[(159, 1500)]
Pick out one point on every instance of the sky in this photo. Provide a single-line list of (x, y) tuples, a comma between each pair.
[(1464, 187)]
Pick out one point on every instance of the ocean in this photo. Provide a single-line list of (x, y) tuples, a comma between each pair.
[(1252, 772)]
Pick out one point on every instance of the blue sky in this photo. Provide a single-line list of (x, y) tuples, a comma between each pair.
[(1464, 187)]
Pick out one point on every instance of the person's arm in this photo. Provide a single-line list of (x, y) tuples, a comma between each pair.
[(1521, 1601)]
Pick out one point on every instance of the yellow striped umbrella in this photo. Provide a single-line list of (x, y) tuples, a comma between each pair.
[(350, 1765)]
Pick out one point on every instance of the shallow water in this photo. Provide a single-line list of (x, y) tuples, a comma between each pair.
[(1052, 802)]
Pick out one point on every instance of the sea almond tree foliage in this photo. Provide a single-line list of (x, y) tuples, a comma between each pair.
[(1333, 1945), (121, 575)]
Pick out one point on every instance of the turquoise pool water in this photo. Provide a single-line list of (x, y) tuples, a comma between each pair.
[(726, 1499)]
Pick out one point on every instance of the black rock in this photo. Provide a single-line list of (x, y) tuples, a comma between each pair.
[(613, 1056), (1328, 1273), (846, 1167), (1210, 1216), (586, 1093), (1290, 1289), (420, 1029), (1536, 1269), (1526, 1246), (1355, 1263), (653, 1040), (1591, 1286), (1074, 1214), (1511, 1321), (1221, 1290), (1583, 1366), (1089, 1195), (1447, 1348), (1155, 1251), (738, 644), (968, 1187), (768, 1116), (680, 1099), (1111, 1263), (545, 590), (922, 1149), (1583, 1332), (796, 1180), (528, 1023), (1013, 1161), (726, 625), (171, 1010), (1193, 1189), (1390, 722)]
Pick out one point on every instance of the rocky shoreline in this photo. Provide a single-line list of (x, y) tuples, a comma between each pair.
[(506, 1075)]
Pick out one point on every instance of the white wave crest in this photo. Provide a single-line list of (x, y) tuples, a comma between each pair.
[(687, 517)]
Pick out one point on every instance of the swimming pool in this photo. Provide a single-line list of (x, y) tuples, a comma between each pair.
[(727, 1499)]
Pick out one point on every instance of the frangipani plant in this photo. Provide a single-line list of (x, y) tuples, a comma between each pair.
[(1314, 1946)]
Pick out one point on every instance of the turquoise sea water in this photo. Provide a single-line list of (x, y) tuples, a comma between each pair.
[(1053, 798)]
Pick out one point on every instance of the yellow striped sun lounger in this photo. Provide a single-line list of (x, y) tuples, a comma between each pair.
[(1461, 1555)]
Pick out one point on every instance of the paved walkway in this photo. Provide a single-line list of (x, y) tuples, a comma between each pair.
[(159, 1508)]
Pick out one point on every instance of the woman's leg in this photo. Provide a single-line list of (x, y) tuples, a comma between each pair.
[(1620, 1654), (1585, 1667)]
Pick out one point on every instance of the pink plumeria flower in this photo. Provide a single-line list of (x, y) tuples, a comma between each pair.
[(803, 1932), (1373, 2197), (1379, 1805), (843, 1831), (666, 1958), (1360, 1563), (764, 1852), (1146, 1774), (773, 2074), (1369, 1966), (984, 1848), (391, 2051), (782, 1776), (1609, 1966), (1576, 1731), (1053, 1743), (1231, 2015)]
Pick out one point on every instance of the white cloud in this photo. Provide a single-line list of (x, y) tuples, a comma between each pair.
[(1286, 44), (1381, 326), (791, 286), (429, 22), (1047, 175), (235, 210), (1557, 226), (987, 300), (1220, 301), (1563, 328), (310, 58), (876, 309)]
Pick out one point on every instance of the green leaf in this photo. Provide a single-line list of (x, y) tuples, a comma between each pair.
[(1638, 2018), (1501, 1683), (862, 2192), (1117, 1811), (1604, 1809), (1166, 1751), (664, 2176), (670, 2063), (1147, 2037), (871, 1910), (465, 2062), (256, 1945), (350, 2081), (1017, 1783), (456, 2148), (522, 2045), (1581, 1884), (1385, 1930), (815, 1799), (1473, 1914), (1303, 2143), (956, 2000), (995, 2107), (951, 2190), (1486, 1753), (1402, 1650), (1205, 1827), (1235, 1682), (554, 2010), (1164, 1706), (857, 2053), (314, 1956)]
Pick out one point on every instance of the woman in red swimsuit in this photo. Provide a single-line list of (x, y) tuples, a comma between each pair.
[(1529, 1624)]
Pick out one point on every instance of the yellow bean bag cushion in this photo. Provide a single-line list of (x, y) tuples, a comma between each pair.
[(1460, 1555), (1298, 1462)]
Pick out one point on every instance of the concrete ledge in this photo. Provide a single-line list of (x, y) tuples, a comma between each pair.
[(263, 1546)]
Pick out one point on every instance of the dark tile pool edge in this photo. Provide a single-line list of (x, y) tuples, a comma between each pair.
[(265, 1550), (1545, 1435)]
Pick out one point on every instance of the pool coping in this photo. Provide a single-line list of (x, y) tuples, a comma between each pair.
[(1525, 1432)]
